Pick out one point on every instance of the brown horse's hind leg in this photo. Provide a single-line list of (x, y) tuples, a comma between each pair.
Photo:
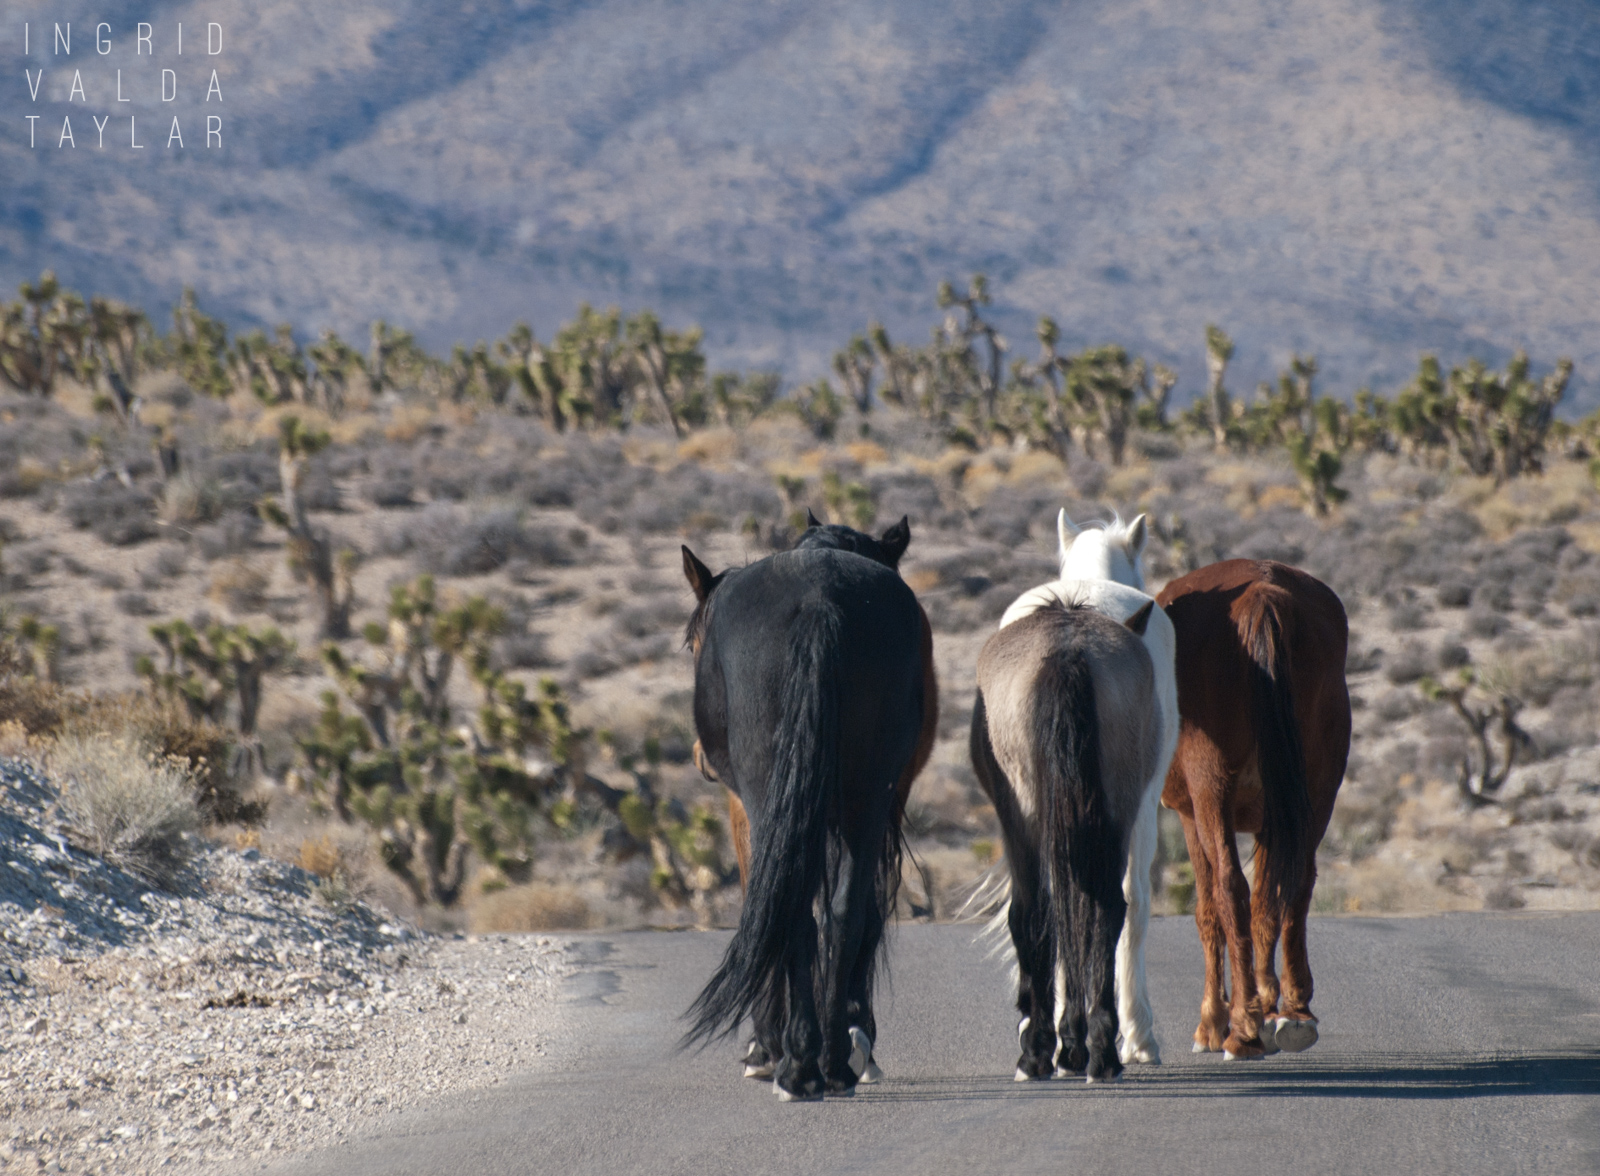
[(1232, 896), (1213, 1028), (1297, 1027), (1264, 925)]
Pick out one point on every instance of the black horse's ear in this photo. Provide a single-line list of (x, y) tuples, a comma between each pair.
[(811, 519), (1137, 623), (896, 539), (698, 575)]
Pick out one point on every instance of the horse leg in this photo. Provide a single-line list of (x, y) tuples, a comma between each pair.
[(1232, 896), (858, 1009), (1108, 918), (1138, 1039), (1297, 1028), (766, 1045), (1213, 1028), (1029, 918), (1264, 926), (852, 903), (798, 1074)]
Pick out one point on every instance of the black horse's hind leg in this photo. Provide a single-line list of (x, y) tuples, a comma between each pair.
[(858, 1006), (1029, 919), (857, 927), (766, 1045), (1110, 912), (799, 1072)]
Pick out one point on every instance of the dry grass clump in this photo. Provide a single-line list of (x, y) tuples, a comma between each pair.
[(126, 804), (204, 749), (534, 907)]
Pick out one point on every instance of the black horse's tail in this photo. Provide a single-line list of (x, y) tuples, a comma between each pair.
[(1284, 842), (1082, 842), (788, 860)]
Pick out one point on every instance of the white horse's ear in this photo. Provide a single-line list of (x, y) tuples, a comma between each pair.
[(1066, 530), (1138, 534)]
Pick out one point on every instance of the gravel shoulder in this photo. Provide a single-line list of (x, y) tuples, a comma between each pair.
[(245, 1014)]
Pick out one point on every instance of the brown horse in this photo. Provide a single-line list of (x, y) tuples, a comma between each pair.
[(1262, 746)]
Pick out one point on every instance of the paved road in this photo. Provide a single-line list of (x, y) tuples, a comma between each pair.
[(1462, 1043)]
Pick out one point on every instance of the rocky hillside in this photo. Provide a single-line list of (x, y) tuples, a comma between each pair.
[(1362, 179)]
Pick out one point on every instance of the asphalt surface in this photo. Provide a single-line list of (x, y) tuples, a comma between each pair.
[(1459, 1043)]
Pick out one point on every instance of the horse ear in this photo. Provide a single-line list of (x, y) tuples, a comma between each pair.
[(1138, 534), (698, 575), (896, 539), (1066, 530), (811, 519), (1140, 620)]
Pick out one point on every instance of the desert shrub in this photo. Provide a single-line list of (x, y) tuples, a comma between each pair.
[(130, 806), (1010, 515), (232, 535), (524, 651), (536, 906), (1396, 705), (1409, 664), (1408, 615), (239, 586), (168, 563), (188, 500), (447, 541), (392, 491), (1482, 622), (117, 515), (1454, 594), (915, 496), (135, 604), (1584, 604), (240, 478), (168, 731)]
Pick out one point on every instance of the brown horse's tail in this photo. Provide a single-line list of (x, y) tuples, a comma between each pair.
[(1285, 839)]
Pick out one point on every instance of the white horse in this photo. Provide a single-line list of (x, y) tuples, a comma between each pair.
[(1100, 568)]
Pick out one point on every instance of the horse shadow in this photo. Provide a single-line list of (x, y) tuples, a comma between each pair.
[(1367, 1076)]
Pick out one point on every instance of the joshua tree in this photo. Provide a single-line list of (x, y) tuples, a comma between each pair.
[(960, 332), (310, 549), (1478, 786), (1219, 350), (207, 671), (855, 366), (41, 336), (436, 791)]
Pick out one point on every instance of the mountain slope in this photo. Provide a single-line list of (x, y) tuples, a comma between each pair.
[(1365, 179)]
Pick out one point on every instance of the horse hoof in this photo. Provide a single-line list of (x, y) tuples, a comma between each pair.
[(1021, 1076), (1200, 1047), (1294, 1036), (1107, 1078), (790, 1096), (860, 1050), (1269, 1036), (762, 1072), (872, 1075), (1148, 1054)]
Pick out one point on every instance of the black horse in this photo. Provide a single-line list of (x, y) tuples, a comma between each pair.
[(813, 681)]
